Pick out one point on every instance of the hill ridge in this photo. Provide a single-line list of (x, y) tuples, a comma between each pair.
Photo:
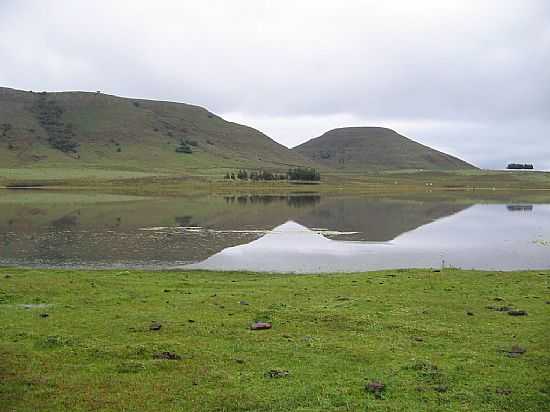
[(93, 128), (375, 147)]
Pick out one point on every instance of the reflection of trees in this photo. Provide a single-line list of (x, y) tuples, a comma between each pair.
[(520, 208), (184, 220), (65, 222), (301, 201), (290, 200)]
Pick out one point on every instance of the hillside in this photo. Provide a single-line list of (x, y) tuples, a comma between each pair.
[(371, 148), (81, 129)]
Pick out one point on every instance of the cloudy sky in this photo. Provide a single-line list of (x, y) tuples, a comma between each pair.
[(469, 77)]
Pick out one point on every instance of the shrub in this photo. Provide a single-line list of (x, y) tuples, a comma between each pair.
[(60, 135), (517, 166), (304, 173), (5, 127), (184, 148)]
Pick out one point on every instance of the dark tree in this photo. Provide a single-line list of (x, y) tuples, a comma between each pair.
[(519, 166), (184, 148), (242, 175), (305, 174)]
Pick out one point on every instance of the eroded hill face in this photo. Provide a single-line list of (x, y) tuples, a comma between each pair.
[(364, 148), (77, 128)]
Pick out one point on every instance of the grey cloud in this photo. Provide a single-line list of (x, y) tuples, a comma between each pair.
[(425, 62)]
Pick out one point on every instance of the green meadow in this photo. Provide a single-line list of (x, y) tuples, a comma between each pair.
[(421, 340)]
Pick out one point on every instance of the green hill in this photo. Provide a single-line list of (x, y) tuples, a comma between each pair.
[(371, 148), (73, 130)]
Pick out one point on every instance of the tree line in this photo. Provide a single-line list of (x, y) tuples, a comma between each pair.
[(299, 173), (516, 166)]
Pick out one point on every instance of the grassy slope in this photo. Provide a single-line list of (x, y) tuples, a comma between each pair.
[(147, 133), (371, 148), (409, 329)]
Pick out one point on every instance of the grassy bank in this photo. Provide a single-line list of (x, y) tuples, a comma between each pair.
[(436, 340), (174, 183)]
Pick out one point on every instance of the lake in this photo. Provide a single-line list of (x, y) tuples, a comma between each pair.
[(300, 233)]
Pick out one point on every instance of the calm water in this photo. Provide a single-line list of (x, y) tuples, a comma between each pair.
[(296, 233)]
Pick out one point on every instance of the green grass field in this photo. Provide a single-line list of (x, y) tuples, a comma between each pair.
[(436, 340), (171, 182)]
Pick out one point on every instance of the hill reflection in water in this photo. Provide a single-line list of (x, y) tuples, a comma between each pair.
[(47, 229), (481, 237)]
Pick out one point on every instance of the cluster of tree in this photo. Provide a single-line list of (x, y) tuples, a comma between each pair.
[(265, 175), (60, 135), (5, 128), (304, 173), (517, 166), (255, 175), (185, 146), (299, 173), (117, 144)]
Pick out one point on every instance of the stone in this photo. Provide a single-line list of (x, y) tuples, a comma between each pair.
[(517, 313), (503, 391), (376, 388), (277, 373), (260, 326), (166, 355), (516, 351), (155, 326)]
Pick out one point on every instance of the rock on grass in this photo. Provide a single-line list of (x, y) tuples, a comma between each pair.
[(517, 313), (376, 388), (167, 355), (155, 326), (277, 373), (260, 326)]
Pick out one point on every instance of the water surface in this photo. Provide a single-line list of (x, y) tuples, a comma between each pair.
[(287, 233)]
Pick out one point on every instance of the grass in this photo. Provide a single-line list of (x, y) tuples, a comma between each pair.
[(210, 180), (409, 329), (47, 197), (62, 174)]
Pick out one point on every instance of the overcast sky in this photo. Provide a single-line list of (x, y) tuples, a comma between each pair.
[(471, 78)]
